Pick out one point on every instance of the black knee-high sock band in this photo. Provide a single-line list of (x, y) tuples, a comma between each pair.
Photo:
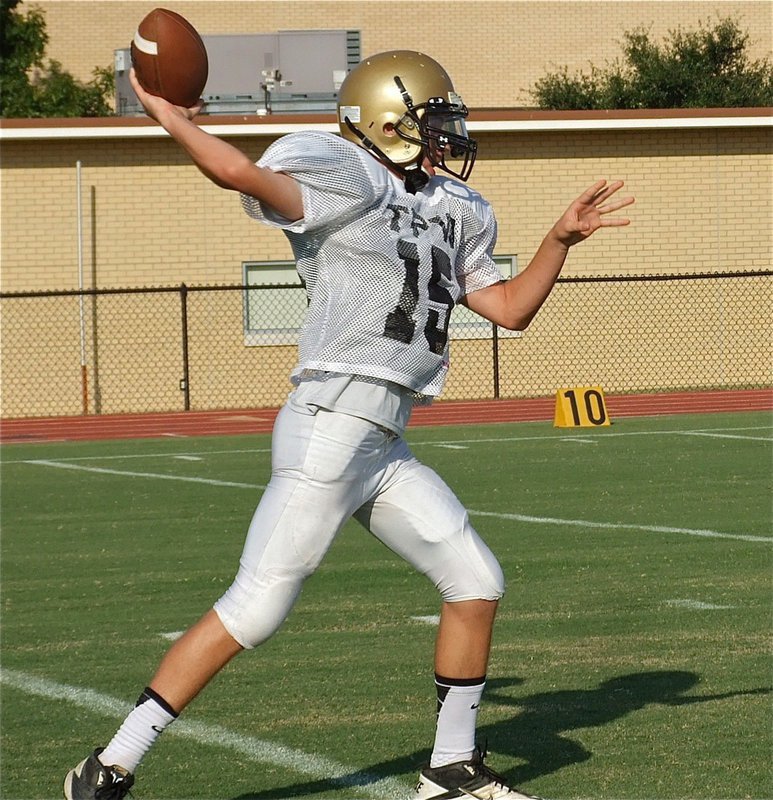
[(459, 681), (150, 694)]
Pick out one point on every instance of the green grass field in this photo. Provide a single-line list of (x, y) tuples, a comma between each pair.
[(631, 657)]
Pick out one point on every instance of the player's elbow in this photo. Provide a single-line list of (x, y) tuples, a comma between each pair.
[(504, 307), (233, 175), (216, 178), (515, 321)]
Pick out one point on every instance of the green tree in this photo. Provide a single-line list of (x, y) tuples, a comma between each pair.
[(704, 68), (30, 86)]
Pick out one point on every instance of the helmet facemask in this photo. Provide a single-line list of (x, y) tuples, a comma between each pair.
[(439, 127)]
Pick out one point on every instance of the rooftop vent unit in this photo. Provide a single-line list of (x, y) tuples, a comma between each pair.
[(289, 72)]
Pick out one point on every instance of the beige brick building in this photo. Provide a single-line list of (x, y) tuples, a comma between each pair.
[(150, 218), (702, 180)]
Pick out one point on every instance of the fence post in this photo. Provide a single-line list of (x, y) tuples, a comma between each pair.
[(185, 384), (495, 349)]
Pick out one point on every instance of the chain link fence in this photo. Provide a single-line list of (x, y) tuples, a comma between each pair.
[(229, 347)]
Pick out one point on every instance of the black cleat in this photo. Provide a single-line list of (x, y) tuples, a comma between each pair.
[(466, 779), (92, 780)]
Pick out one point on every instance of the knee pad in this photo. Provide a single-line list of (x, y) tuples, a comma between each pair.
[(253, 610), (471, 571)]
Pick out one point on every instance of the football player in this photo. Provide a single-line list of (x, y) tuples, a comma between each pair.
[(387, 237)]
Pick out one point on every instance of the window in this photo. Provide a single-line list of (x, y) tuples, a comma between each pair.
[(272, 315), (275, 309)]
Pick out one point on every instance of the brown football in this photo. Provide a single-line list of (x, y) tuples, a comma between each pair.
[(169, 58)]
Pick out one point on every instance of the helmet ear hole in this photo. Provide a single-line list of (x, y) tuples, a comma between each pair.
[(390, 139)]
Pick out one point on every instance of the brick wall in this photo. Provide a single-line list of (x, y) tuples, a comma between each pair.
[(495, 51), (150, 218)]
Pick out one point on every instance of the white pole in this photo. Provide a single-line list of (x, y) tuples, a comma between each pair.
[(84, 373)]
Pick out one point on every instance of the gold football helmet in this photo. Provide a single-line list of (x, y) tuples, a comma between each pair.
[(401, 105)]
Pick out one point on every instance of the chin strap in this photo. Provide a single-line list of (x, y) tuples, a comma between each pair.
[(415, 178)]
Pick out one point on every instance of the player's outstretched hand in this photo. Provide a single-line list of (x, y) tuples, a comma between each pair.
[(156, 107), (589, 212)]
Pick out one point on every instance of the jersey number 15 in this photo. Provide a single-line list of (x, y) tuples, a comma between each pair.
[(400, 324)]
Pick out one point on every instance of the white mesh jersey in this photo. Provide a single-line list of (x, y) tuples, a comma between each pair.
[(382, 267)]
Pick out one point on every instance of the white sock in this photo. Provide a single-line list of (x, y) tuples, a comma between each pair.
[(458, 701), (139, 731)]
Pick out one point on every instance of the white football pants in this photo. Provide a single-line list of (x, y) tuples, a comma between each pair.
[(326, 468)]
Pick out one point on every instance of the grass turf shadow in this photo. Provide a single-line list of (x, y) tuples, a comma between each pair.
[(538, 734)]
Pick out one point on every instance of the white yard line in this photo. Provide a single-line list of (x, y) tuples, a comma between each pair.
[(605, 434), (65, 463), (308, 764), (431, 619), (128, 456), (623, 526), (576, 523), (155, 475), (696, 605), (728, 436), (586, 436), (171, 636)]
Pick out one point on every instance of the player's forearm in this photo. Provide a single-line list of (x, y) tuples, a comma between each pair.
[(229, 168), (221, 162), (527, 291)]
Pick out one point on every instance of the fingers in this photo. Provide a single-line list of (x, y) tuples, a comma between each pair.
[(590, 195), (133, 79), (591, 211), (155, 105), (614, 222), (600, 191), (617, 205)]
